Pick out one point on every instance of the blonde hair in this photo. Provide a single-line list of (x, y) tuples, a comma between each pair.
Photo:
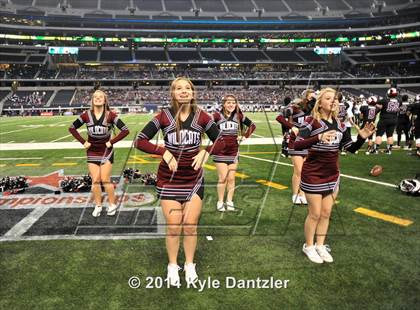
[(175, 104), (317, 107), (105, 99)]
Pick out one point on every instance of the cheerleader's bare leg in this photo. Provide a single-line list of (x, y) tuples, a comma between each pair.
[(172, 210), (191, 216), (95, 173), (231, 181), (312, 219), (297, 171), (324, 219), (106, 170), (222, 172)]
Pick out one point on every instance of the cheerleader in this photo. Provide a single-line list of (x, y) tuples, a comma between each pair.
[(230, 121), (292, 118), (323, 134), (180, 183), (100, 121)]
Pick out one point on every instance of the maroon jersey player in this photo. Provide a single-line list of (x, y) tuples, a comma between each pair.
[(99, 122), (388, 118), (323, 134), (180, 182), (231, 122), (368, 113)]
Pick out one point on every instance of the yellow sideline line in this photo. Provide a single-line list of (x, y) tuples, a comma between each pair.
[(384, 217), (210, 167), (28, 165), (272, 184), (241, 175), (237, 174), (138, 160)]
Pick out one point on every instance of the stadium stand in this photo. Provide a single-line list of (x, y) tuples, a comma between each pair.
[(271, 54)]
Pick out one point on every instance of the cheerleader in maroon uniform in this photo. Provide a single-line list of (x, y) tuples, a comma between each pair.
[(180, 183), (323, 134), (293, 118), (100, 121), (230, 121)]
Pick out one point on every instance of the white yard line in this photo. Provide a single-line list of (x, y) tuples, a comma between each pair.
[(20, 158), (132, 236), (21, 227), (75, 157), (273, 172), (17, 130), (121, 144), (341, 175), (66, 136)]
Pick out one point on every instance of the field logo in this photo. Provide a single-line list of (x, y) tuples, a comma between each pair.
[(45, 191)]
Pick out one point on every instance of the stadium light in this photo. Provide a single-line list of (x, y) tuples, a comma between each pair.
[(259, 11), (323, 9), (196, 11), (63, 6), (379, 5)]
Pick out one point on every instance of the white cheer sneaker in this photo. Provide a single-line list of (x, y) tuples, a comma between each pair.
[(97, 211), (296, 199), (220, 206), (173, 276), (312, 254), (324, 252), (112, 209), (303, 199), (190, 273), (230, 206)]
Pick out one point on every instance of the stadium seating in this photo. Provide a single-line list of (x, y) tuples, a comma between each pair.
[(240, 6), (63, 98), (271, 5), (115, 5), (210, 5), (156, 54), (186, 55), (148, 5), (217, 55), (178, 5)]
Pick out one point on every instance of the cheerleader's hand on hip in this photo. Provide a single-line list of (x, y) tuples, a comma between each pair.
[(170, 161), (108, 144), (87, 145), (200, 159)]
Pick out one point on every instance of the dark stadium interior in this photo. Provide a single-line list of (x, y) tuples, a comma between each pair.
[(320, 81), (119, 49)]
